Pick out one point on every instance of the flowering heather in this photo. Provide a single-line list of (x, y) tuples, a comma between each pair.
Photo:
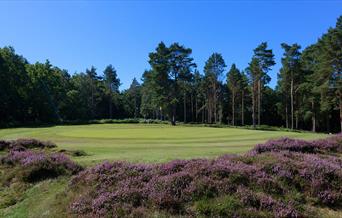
[(22, 144), (259, 182), (36, 166), (331, 144)]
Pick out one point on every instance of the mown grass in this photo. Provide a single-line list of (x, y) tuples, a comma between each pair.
[(149, 142)]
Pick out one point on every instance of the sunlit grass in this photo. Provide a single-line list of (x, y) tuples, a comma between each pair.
[(149, 142)]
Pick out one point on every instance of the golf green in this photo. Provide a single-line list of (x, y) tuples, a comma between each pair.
[(149, 142)]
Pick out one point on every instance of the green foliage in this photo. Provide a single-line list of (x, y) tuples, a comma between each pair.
[(308, 95), (171, 68)]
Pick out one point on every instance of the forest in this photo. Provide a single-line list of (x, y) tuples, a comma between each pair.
[(308, 94)]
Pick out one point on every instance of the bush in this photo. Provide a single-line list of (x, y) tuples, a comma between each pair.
[(128, 120), (22, 144), (4, 145), (255, 185), (33, 143), (36, 166), (331, 144), (103, 121)]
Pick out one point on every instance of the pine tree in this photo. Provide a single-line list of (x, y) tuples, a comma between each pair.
[(265, 59), (291, 74), (213, 70), (112, 83), (233, 82)]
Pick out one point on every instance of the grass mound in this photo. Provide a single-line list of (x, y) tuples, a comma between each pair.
[(21, 168), (278, 179)]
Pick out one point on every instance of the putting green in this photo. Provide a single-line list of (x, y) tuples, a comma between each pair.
[(149, 142)]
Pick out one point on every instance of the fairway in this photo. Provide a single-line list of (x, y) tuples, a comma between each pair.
[(149, 142)]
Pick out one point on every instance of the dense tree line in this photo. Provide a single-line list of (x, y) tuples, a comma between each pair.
[(308, 94)]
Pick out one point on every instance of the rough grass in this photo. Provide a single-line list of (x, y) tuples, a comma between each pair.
[(149, 142), (42, 200)]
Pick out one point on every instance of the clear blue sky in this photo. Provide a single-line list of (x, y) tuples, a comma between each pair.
[(75, 35)]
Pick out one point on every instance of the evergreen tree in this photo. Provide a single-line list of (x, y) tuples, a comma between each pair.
[(254, 71), (233, 82), (134, 98), (243, 84), (291, 76), (213, 70), (265, 59), (92, 78), (112, 83), (170, 67)]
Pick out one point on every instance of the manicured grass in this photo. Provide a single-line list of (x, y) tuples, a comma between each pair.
[(149, 142)]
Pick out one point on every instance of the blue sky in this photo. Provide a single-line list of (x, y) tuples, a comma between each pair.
[(78, 34)]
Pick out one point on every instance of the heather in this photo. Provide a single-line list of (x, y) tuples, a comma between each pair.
[(22, 168), (280, 178), (25, 143), (331, 144), (277, 179)]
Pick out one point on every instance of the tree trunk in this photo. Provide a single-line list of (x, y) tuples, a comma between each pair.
[(192, 108), (173, 117), (259, 102), (110, 106), (184, 107), (208, 112), (340, 103), (161, 113), (313, 116), (253, 106), (209, 105), (196, 109), (286, 116), (135, 107), (233, 108), (292, 116), (328, 122), (297, 121), (242, 109), (215, 103), (92, 100)]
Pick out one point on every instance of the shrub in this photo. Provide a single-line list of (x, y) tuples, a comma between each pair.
[(273, 180), (33, 143), (22, 144), (331, 144), (36, 166), (4, 145)]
